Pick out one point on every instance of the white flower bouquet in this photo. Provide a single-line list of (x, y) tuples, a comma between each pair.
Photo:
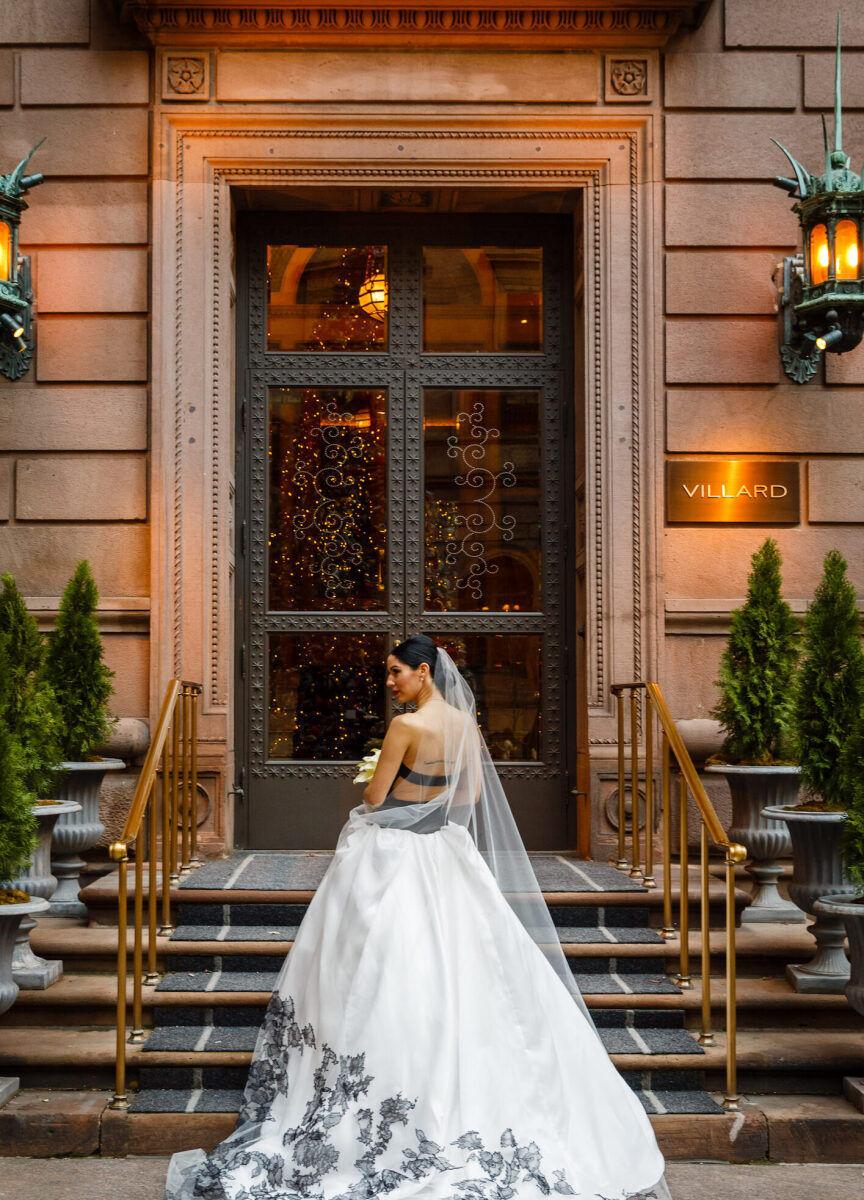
[(366, 770)]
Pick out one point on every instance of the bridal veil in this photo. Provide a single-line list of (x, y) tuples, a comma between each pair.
[(470, 794)]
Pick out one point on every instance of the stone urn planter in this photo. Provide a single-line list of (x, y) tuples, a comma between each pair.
[(78, 830), (851, 911), (10, 918), (753, 788), (818, 871), (28, 969)]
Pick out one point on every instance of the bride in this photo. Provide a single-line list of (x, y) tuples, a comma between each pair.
[(426, 1037)]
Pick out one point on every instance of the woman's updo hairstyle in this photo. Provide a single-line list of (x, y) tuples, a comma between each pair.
[(416, 650)]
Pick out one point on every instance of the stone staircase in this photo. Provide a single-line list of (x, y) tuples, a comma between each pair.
[(236, 919)]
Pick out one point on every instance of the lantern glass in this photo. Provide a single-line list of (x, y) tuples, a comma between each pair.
[(819, 257), (373, 296), (5, 251), (846, 252)]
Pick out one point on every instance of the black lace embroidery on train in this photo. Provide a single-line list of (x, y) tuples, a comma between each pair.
[(339, 1083)]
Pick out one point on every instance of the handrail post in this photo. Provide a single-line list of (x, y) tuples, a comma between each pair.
[(706, 1036), (166, 926), (668, 930), (622, 808), (175, 782), (731, 1101), (137, 1034), (177, 719), (196, 691), (648, 878), (119, 853), (635, 870), (184, 789), (152, 975), (683, 979), (690, 784)]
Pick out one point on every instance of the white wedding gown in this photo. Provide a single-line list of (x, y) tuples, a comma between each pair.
[(419, 1045)]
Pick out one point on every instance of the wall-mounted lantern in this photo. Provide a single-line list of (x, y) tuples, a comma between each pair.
[(822, 289), (16, 296)]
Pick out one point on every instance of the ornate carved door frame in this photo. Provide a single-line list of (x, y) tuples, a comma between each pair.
[(199, 157)]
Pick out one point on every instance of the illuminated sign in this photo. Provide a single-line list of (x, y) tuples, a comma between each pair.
[(737, 491)]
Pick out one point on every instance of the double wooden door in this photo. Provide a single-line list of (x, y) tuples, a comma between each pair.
[(403, 465)]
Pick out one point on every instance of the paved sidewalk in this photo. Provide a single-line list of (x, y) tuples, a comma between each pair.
[(143, 1179)]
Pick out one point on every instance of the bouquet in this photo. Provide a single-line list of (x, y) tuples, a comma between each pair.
[(368, 763)]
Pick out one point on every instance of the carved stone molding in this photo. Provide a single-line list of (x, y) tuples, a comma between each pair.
[(200, 157), (557, 24)]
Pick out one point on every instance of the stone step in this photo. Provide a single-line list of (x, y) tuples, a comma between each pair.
[(767, 1059), (203, 1039), (761, 949), (216, 1100), (617, 892), (87, 999), (783, 1128)]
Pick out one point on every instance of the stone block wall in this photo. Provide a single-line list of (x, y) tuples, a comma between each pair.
[(74, 431), (756, 69)]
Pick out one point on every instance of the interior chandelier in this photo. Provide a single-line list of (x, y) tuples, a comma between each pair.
[(372, 296)]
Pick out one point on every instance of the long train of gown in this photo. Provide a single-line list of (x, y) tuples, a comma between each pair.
[(418, 1044)]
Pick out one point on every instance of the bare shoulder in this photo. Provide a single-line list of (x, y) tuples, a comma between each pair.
[(403, 722)]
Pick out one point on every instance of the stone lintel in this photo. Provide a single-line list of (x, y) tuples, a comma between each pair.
[(486, 24)]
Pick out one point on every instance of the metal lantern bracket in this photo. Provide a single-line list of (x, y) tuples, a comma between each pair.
[(16, 291), (800, 357)]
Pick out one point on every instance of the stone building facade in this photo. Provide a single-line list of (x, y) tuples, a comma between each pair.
[(645, 128)]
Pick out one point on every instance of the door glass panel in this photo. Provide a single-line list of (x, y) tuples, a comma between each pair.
[(482, 500), (503, 670), (486, 300), (326, 695), (327, 298), (327, 546)]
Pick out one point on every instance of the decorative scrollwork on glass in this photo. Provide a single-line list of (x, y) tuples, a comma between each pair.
[(330, 516), (481, 519)]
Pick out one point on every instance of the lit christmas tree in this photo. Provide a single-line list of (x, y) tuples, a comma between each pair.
[(328, 536)]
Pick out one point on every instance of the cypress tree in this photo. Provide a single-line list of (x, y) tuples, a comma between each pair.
[(17, 822), (830, 692), (31, 710), (757, 669), (75, 670)]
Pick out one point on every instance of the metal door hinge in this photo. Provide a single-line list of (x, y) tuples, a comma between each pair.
[(243, 661)]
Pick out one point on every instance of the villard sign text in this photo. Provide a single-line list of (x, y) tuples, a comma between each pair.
[(737, 491)]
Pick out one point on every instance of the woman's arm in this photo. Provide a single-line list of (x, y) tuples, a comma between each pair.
[(396, 742)]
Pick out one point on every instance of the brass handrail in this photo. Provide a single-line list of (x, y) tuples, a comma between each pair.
[(173, 758), (689, 785)]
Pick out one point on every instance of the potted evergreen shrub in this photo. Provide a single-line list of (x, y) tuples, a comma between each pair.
[(81, 682), (33, 718), (17, 842), (850, 909), (829, 696), (757, 673)]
